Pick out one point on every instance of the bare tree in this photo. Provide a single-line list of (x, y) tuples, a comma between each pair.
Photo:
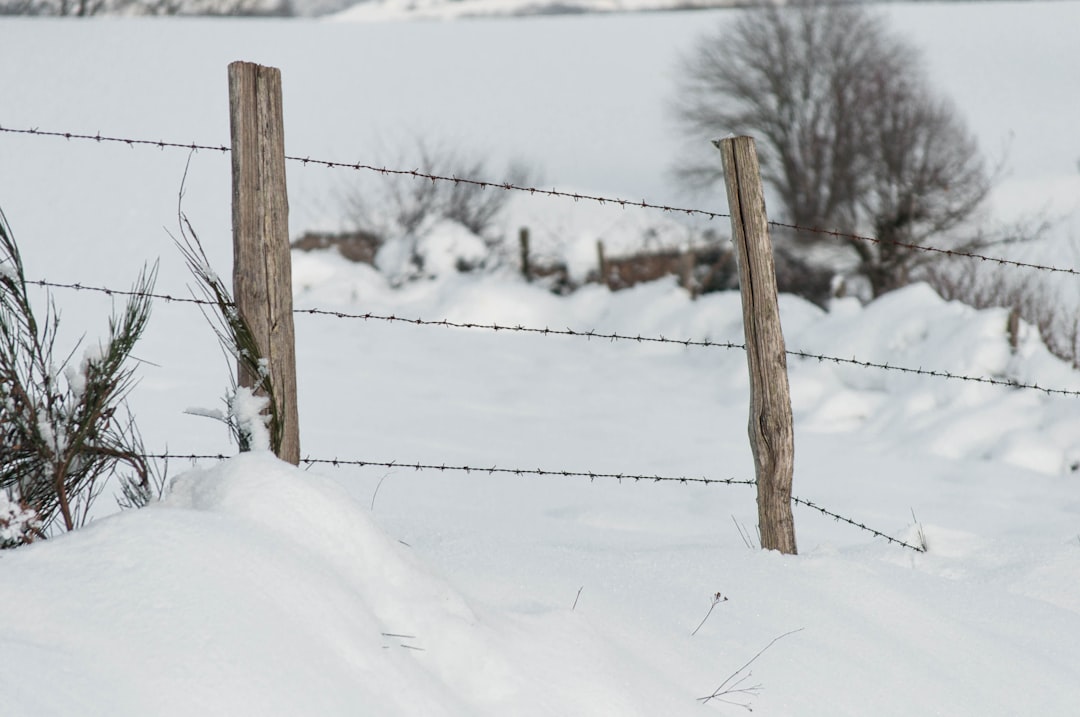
[(851, 136)]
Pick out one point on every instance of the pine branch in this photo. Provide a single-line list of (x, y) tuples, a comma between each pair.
[(237, 341)]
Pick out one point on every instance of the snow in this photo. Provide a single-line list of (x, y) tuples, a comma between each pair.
[(257, 588), (249, 413), (16, 522)]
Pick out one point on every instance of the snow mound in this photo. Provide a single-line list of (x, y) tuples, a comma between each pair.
[(258, 588)]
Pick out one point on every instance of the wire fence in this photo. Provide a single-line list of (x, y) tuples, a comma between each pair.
[(566, 332), (600, 335), (524, 472), (540, 191)]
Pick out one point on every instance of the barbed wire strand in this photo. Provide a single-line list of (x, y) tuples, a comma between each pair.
[(592, 334), (591, 475), (385, 171), (160, 144), (512, 328), (510, 187), (935, 250), (1003, 382), (576, 196), (850, 521), (1007, 383), (492, 470), (120, 292)]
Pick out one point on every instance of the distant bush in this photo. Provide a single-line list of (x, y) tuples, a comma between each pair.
[(1052, 309), (401, 208)]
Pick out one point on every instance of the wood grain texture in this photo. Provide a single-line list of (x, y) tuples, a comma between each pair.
[(262, 265), (772, 437)]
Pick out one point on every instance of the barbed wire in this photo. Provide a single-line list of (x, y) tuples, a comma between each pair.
[(1004, 382), (706, 343), (512, 328), (850, 521), (521, 472), (385, 171), (593, 334), (935, 250), (492, 470), (120, 292), (160, 144), (509, 186)]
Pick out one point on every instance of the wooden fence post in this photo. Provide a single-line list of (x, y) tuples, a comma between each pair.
[(772, 438), (262, 265), (687, 261), (602, 263), (523, 238)]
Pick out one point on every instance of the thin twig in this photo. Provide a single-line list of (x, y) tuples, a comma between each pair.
[(717, 599), (373, 495), (725, 689)]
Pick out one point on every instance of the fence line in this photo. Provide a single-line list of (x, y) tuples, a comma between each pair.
[(591, 475), (507, 186), (592, 334), (623, 203)]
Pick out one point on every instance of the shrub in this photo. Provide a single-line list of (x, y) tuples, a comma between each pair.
[(65, 425)]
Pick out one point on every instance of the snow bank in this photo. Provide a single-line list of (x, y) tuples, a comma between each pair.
[(257, 588)]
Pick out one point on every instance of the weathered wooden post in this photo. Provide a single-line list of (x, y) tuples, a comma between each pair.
[(523, 238), (262, 266), (772, 437), (687, 260), (602, 263)]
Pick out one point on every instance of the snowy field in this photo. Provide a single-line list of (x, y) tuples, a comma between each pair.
[(254, 588)]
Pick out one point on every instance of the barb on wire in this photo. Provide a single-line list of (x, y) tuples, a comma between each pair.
[(861, 526), (936, 250)]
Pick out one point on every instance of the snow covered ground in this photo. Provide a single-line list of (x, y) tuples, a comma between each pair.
[(255, 588)]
